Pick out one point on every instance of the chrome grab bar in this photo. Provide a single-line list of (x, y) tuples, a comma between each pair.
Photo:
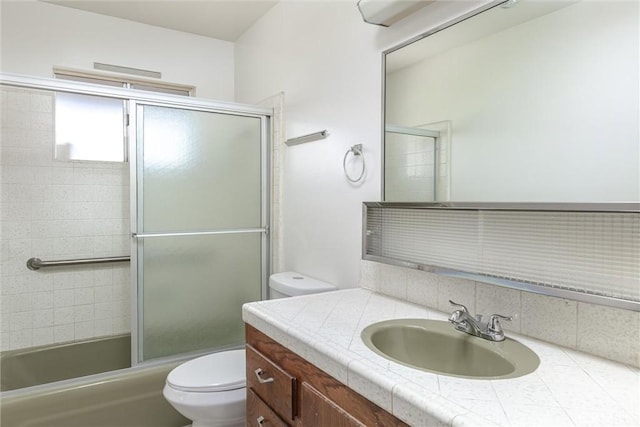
[(37, 263)]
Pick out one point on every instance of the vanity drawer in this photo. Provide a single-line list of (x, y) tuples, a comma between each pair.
[(259, 414), (272, 384)]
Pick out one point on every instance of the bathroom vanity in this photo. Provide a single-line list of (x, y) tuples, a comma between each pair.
[(311, 346), (284, 389)]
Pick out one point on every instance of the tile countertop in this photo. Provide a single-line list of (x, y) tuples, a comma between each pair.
[(568, 388)]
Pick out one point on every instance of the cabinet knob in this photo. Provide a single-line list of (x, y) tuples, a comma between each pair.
[(260, 420), (259, 373)]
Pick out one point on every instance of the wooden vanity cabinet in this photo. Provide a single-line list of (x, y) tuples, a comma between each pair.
[(318, 410), (270, 383), (260, 414), (284, 389)]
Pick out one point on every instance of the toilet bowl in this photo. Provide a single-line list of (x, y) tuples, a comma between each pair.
[(211, 390)]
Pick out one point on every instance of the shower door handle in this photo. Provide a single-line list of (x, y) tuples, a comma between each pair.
[(259, 373), (202, 233)]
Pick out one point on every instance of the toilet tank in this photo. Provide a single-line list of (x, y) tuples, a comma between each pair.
[(291, 284)]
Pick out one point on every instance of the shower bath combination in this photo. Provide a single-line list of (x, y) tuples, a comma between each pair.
[(190, 207)]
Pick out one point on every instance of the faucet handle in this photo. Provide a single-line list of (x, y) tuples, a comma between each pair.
[(494, 322), (460, 306)]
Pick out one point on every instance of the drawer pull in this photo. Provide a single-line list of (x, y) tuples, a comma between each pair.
[(260, 420), (262, 380)]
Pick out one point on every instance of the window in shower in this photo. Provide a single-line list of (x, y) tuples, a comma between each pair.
[(93, 128), (89, 128)]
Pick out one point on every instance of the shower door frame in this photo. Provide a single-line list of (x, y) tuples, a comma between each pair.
[(134, 96), (137, 292)]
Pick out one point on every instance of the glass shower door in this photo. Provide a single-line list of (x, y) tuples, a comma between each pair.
[(200, 231)]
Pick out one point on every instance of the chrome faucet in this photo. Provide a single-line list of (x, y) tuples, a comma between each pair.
[(464, 322)]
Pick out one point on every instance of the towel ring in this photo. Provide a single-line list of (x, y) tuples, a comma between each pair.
[(357, 151)]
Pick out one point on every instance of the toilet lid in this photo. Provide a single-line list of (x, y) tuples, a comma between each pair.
[(214, 372)]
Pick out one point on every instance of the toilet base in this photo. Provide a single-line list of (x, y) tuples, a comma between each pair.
[(206, 424), (210, 409)]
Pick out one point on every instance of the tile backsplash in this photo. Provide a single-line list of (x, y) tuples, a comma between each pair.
[(608, 332), (57, 210)]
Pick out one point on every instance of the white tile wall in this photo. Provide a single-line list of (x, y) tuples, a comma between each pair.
[(603, 331), (57, 210), (607, 331), (555, 319)]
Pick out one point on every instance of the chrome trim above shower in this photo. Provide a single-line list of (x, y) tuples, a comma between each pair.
[(42, 83)]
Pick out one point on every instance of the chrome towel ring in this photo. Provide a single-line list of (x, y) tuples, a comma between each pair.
[(357, 152)]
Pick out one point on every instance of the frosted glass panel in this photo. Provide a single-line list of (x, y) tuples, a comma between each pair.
[(194, 288), (201, 170), (197, 172)]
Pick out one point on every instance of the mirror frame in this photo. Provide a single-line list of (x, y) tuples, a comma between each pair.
[(626, 207)]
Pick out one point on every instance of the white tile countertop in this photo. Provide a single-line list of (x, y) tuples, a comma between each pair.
[(568, 388)]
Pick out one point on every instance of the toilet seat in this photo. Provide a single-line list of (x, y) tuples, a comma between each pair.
[(211, 373)]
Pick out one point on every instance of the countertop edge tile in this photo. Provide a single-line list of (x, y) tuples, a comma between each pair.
[(363, 375), (272, 327), (417, 406), (471, 420)]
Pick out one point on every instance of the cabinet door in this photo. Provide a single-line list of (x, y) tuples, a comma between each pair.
[(318, 411), (271, 383), (259, 414)]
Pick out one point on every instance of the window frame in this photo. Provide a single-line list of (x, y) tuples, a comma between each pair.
[(126, 82)]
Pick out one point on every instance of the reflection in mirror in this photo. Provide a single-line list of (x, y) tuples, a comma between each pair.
[(417, 162), (540, 101)]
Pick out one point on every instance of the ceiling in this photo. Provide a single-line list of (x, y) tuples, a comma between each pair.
[(219, 19)]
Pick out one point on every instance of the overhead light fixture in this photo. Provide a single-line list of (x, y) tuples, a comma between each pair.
[(387, 12)]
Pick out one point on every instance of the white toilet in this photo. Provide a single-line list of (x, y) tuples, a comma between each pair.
[(211, 390)]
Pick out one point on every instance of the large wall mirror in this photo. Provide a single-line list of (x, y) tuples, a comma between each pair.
[(538, 102)]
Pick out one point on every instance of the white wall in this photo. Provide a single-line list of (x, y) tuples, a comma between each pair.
[(37, 36), (328, 63)]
